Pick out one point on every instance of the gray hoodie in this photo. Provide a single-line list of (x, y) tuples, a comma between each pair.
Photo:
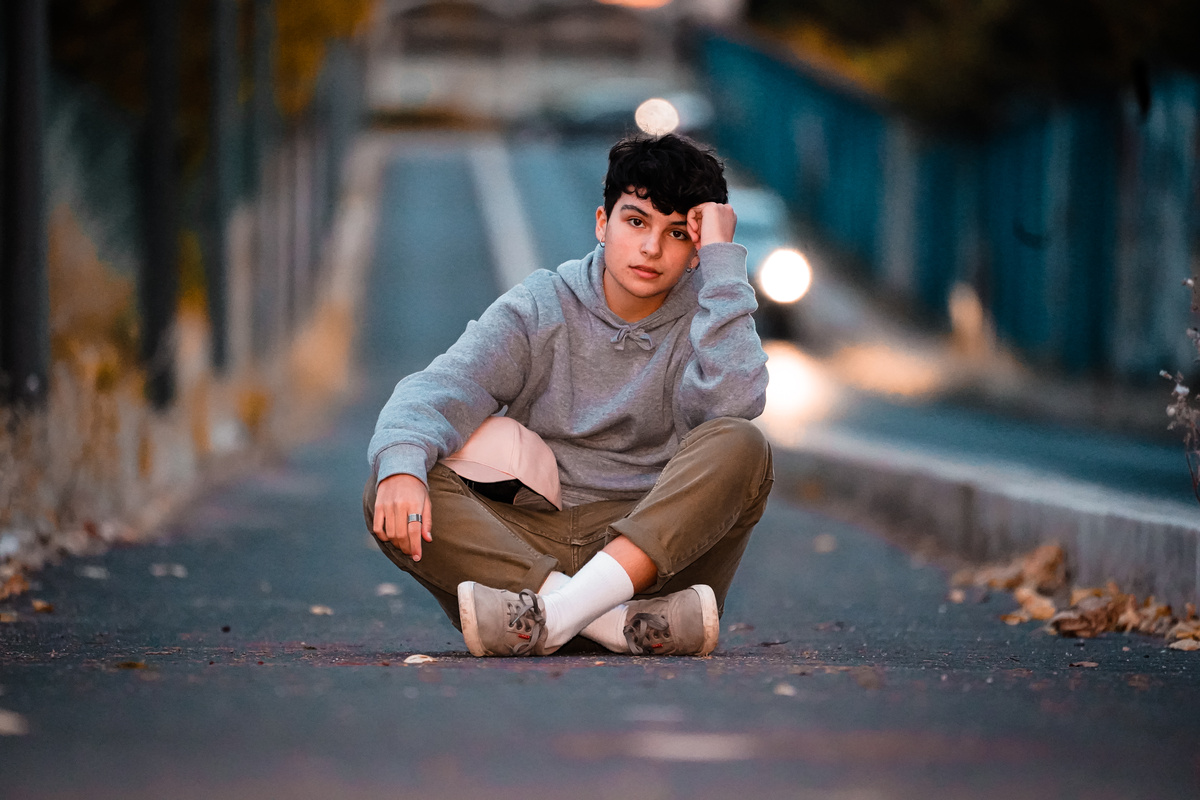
[(611, 399)]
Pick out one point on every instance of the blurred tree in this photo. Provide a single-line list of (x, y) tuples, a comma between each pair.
[(103, 43), (303, 30), (960, 60)]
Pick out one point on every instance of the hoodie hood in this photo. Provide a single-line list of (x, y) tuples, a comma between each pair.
[(585, 278)]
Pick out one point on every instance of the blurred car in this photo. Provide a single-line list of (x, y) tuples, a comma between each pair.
[(777, 267)]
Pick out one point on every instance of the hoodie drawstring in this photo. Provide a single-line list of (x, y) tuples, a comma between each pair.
[(636, 334)]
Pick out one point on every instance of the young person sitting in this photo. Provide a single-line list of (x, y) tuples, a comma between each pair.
[(615, 496)]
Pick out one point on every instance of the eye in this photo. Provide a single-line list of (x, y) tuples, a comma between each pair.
[(681, 236), (637, 222)]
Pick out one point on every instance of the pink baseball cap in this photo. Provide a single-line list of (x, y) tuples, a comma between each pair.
[(502, 449)]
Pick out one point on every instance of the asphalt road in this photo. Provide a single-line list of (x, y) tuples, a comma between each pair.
[(196, 667)]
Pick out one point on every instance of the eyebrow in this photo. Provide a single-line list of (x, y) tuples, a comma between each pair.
[(642, 211)]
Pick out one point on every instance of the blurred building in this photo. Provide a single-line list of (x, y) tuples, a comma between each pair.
[(511, 59)]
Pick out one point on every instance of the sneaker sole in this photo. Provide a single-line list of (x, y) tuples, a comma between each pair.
[(470, 623), (708, 605)]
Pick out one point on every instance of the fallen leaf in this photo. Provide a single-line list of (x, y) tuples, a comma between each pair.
[(1091, 617), (12, 724), (785, 690), (42, 607), (1087, 664), (1045, 568), (92, 571), (321, 611), (163, 570), (957, 596), (15, 585), (1078, 594), (130, 665), (1034, 603), (739, 626), (1007, 576), (825, 543), (1185, 630), (1015, 618), (387, 590), (1185, 644), (419, 658)]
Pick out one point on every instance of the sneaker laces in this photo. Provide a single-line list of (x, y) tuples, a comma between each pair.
[(644, 633), (526, 619)]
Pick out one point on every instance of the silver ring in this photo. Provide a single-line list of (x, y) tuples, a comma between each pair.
[(414, 517)]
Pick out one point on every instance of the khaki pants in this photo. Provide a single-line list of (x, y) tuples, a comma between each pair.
[(694, 523)]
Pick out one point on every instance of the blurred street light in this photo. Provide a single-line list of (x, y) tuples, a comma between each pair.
[(785, 276), (656, 116)]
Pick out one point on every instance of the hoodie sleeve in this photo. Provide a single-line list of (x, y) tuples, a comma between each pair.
[(726, 375), (432, 412)]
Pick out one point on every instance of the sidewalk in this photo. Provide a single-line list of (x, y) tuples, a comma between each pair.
[(980, 484)]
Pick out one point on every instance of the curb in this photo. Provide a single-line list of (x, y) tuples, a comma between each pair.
[(983, 511)]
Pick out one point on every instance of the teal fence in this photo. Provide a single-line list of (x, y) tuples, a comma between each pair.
[(1075, 225)]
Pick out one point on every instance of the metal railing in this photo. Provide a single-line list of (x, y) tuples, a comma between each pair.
[(1074, 225)]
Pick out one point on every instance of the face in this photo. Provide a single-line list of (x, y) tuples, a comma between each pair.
[(645, 255)]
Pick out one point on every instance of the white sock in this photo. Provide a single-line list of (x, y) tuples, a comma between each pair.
[(600, 586), (608, 629)]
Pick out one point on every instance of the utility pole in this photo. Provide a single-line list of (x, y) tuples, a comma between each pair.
[(24, 283), (159, 282)]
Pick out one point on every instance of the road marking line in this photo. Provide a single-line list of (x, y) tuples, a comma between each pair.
[(510, 241)]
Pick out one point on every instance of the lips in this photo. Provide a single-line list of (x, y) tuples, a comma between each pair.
[(645, 272)]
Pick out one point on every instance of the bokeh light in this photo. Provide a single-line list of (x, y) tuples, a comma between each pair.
[(800, 391), (656, 116), (785, 276)]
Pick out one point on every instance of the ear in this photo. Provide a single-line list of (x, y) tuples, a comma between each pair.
[(601, 223)]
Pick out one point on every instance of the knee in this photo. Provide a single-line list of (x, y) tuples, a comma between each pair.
[(740, 441)]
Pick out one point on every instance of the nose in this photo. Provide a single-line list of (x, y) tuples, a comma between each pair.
[(650, 245)]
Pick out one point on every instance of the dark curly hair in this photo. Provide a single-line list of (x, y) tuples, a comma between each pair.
[(674, 172)]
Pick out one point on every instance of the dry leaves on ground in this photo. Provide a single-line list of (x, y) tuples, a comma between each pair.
[(1038, 581), (15, 585)]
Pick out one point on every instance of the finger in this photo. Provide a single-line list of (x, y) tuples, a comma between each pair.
[(693, 224), (414, 539), (377, 526), (396, 533), (427, 525)]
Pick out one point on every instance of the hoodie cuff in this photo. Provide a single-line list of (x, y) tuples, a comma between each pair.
[(401, 459), (722, 261)]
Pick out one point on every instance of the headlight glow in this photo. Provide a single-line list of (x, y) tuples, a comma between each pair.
[(785, 276)]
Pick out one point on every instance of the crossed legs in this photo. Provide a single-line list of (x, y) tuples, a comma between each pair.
[(691, 528)]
